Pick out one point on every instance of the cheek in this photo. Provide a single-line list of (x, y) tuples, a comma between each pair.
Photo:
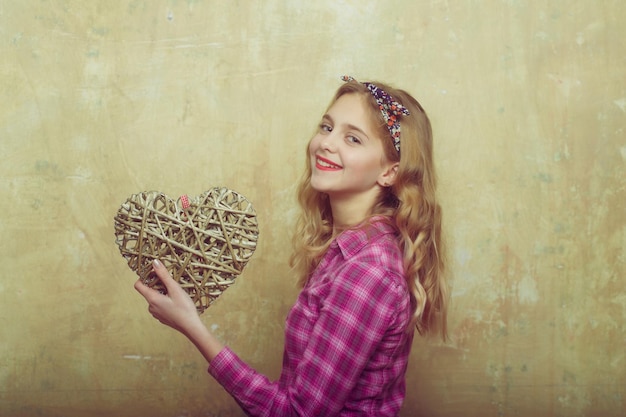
[(314, 145), (368, 167)]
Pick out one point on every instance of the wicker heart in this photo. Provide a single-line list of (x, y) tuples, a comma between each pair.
[(204, 242)]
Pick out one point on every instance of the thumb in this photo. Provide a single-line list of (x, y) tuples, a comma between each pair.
[(163, 274)]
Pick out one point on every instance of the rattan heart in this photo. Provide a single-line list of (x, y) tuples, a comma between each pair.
[(204, 242)]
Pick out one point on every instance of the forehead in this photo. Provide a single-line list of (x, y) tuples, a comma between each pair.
[(353, 109)]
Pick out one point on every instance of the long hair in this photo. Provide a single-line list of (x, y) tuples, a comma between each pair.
[(410, 204)]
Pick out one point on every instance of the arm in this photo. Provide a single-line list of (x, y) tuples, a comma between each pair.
[(177, 310), (350, 324), (354, 312)]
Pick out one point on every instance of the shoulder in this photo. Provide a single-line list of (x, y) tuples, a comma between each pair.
[(372, 259), (375, 244)]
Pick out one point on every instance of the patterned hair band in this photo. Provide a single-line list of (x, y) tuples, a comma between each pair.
[(389, 108)]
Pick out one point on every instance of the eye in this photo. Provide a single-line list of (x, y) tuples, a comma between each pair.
[(353, 139), (325, 127)]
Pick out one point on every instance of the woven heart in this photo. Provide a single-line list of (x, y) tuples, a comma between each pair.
[(204, 242)]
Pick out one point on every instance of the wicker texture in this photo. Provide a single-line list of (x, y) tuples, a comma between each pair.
[(204, 242)]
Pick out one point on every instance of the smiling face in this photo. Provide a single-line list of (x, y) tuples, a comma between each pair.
[(347, 157)]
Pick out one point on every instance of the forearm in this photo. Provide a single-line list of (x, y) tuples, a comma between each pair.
[(206, 343), (178, 311)]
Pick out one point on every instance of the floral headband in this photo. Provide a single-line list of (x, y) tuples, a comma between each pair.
[(389, 108)]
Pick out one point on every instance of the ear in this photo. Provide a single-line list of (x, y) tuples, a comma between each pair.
[(388, 176)]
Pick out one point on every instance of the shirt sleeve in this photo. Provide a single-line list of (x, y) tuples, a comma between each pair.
[(357, 308)]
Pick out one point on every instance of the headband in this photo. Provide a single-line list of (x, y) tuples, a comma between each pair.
[(389, 108)]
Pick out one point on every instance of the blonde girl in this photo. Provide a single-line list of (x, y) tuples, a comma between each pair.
[(369, 257)]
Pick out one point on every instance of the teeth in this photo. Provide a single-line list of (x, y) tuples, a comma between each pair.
[(326, 164)]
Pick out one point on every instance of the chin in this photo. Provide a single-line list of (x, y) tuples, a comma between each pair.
[(320, 188)]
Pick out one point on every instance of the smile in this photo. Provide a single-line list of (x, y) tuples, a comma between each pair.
[(325, 164)]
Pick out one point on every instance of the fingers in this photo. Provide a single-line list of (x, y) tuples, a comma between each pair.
[(163, 274), (174, 292), (142, 288)]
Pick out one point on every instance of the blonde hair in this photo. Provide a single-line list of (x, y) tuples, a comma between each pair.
[(410, 203)]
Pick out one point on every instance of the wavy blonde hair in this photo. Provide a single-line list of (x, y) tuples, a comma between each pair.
[(410, 204)]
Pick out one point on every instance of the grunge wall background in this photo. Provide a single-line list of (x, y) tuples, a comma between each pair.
[(101, 99)]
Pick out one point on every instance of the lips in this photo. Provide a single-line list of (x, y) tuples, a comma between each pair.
[(325, 165)]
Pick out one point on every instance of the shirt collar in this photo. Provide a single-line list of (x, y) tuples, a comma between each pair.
[(351, 241)]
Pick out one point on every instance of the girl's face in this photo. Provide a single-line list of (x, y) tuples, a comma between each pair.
[(347, 157)]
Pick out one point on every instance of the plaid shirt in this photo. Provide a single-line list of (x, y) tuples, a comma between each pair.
[(346, 344)]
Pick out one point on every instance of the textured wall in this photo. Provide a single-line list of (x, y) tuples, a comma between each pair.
[(101, 99)]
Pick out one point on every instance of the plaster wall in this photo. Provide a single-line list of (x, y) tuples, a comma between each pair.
[(101, 99)]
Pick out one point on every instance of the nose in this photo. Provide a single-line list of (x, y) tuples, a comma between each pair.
[(329, 142)]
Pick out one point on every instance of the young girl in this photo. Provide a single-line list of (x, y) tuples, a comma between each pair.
[(368, 251)]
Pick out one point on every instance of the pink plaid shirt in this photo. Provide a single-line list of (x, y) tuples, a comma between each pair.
[(346, 344)]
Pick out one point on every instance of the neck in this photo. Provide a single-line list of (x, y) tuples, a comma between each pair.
[(349, 211)]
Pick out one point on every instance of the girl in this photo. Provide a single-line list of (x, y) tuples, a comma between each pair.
[(368, 252)]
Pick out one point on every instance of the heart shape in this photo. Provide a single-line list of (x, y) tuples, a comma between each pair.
[(204, 242)]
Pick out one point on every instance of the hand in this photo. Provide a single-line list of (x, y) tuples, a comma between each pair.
[(176, 309)]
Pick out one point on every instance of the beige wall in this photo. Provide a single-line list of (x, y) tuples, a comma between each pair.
[(102, 99)]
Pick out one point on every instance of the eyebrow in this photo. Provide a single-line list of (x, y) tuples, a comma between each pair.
[(349, 126)]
